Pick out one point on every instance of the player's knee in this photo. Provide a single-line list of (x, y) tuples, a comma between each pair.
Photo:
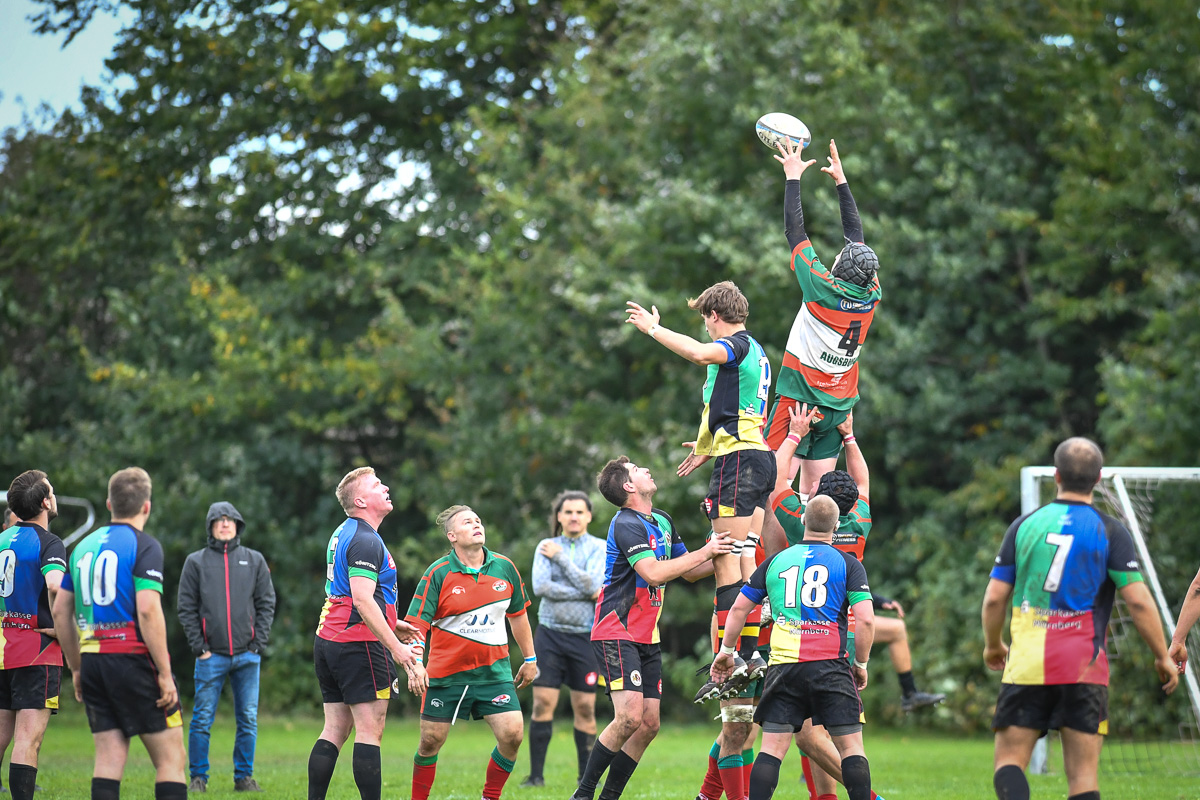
[(650, 726)]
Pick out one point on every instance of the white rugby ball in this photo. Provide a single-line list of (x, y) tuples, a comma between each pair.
[(773, 128)]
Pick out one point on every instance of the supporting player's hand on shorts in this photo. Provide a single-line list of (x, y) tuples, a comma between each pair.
[(792, 159), (693, 460), (168, 695), (1168, 673), (1178, 654), (418, 680), (641, 318), (995, 656), (549, 548), (722, 667), (834, 170), (860, 677), (893, 605), (846, 428), (719, 544), (526, 674), (800, 419)]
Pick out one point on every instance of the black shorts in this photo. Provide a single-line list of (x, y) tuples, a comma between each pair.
[(30, 687), (821, 690), (741, 482), (1078, 706), (354, 672), (630, 666), (565, 658), (120, 692)]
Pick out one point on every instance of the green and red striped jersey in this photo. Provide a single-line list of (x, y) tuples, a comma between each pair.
[(820, 362), (462, 611)]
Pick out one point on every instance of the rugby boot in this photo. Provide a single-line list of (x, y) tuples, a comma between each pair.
[(737, 681), (911, 702), (757, 665), (712, 690)]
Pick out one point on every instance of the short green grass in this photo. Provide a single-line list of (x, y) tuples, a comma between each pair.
[(904, 765)]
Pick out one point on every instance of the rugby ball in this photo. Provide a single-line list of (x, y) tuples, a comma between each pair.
[(773, 128)]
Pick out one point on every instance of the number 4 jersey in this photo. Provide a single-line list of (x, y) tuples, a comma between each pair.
[(820, 363), (108, 569), (1065, 562), (811, 588)]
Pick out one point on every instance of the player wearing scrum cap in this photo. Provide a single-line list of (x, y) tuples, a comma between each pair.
[(820, 362)]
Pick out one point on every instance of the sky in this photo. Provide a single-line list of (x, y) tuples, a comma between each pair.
[(36, 69)]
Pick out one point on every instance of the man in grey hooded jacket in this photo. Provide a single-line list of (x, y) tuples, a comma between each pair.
[(226, 605)]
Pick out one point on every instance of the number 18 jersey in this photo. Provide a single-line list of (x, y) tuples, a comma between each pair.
[(811, 587), (108, 569)]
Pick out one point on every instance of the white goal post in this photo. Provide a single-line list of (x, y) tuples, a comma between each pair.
[(1033, 478)]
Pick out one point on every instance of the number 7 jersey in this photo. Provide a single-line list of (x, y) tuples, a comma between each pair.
[(108, 569), (820, 363), (1065, 562)]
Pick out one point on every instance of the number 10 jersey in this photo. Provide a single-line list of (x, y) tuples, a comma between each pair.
[(108, 569)]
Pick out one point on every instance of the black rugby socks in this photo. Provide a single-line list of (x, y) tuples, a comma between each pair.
[(1010, 783), (539, 743), (584, 742), (21, 780), (856, 777), (321, 762), (368, 771)]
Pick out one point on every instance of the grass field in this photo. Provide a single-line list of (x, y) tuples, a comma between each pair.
[(905, 765)]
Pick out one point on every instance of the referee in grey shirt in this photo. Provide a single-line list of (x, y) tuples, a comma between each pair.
[(568, 571)]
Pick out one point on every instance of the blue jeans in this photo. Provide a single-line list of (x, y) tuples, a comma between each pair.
[(242, 671)]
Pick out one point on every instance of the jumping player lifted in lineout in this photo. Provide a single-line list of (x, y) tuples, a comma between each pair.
[(820, 362)]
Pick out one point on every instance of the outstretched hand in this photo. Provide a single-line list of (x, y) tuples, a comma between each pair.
[(834, 170), (693, 460), (641, 318), (792, 158), (800, 419)]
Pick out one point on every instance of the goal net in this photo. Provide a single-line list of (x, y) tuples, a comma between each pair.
[(1147, 731)]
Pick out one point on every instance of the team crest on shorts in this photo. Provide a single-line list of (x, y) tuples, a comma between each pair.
[(501, 699), (707, 505), (635, 678), (591, 679), (500, 586), (436, 703), (396, 685)]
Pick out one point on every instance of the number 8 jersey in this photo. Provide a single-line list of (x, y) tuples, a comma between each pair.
[(811, 586), (108, 569)]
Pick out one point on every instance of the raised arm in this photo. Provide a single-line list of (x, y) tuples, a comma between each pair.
[(794, 165), (851, 224), (856, 465), (680, 344)]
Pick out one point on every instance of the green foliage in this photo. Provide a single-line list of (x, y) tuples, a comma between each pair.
[(295, 238)]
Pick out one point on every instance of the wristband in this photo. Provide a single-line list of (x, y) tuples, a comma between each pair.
[(861, 664), (531, 659), (727, 651), (794, 437), (653, 330), (849, 439)]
